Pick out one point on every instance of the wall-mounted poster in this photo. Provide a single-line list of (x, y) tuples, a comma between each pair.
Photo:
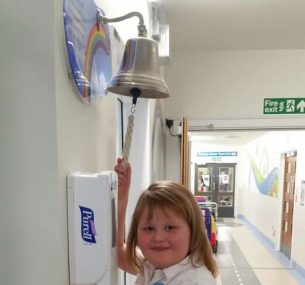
[(88, 48), (224, 178), (203, 182)]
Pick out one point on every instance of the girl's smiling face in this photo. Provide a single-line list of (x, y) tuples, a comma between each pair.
[(164, 238)]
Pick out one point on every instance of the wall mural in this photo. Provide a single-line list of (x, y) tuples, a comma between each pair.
[(266, 185), (264, 162)]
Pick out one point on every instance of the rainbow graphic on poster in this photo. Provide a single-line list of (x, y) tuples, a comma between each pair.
[(97, 50), (88, 48)]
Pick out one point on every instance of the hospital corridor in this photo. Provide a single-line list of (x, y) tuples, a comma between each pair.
[(244, 257), (203, 93)]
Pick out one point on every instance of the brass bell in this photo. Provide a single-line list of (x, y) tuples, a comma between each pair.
[(139, 74)]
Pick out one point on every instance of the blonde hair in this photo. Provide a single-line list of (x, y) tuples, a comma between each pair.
[(167, 195)]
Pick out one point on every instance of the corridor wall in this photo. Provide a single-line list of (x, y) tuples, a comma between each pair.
[(263, 207)]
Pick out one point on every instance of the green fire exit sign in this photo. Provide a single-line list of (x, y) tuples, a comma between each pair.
[(284, 106)]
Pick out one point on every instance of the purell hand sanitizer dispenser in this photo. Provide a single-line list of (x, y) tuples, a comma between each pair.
[(92, 228)]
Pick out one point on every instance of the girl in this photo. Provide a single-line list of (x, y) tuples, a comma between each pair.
[(167, 241)]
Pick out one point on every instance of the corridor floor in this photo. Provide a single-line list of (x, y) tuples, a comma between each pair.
[(244, 259)]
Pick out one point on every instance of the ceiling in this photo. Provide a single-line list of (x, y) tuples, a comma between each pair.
[(197, 25)]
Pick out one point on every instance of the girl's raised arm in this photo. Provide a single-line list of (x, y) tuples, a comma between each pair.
[(123, 171)]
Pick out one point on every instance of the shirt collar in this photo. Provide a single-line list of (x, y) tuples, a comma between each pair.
[(149, 271), (168, 272), (171, 271)]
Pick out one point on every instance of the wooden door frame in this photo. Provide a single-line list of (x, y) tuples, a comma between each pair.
[(184, 154), (280, 200)]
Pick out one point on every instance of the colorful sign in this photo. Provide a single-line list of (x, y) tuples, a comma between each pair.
[(217, 153), (88, 48), (284, 106)]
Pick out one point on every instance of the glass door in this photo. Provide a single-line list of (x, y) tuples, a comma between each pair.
[(216, 183), (225, 191), (203, 182)]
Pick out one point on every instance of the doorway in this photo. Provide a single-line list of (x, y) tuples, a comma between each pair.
[(288, 202), (216, 183)]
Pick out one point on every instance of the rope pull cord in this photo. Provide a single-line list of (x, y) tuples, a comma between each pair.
[(128, 138), (135, 92)]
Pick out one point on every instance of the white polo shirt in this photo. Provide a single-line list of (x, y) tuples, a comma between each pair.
[(182, 273)]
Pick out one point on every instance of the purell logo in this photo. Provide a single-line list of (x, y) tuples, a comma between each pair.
[(87, 225)]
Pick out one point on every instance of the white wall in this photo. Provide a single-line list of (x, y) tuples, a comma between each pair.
[(46, 132), (231, 84), (32, 235)]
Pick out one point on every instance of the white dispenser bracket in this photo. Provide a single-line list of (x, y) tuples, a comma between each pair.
[(92, 228)]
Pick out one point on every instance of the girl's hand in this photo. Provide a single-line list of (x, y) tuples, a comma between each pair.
[(123, 171)]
